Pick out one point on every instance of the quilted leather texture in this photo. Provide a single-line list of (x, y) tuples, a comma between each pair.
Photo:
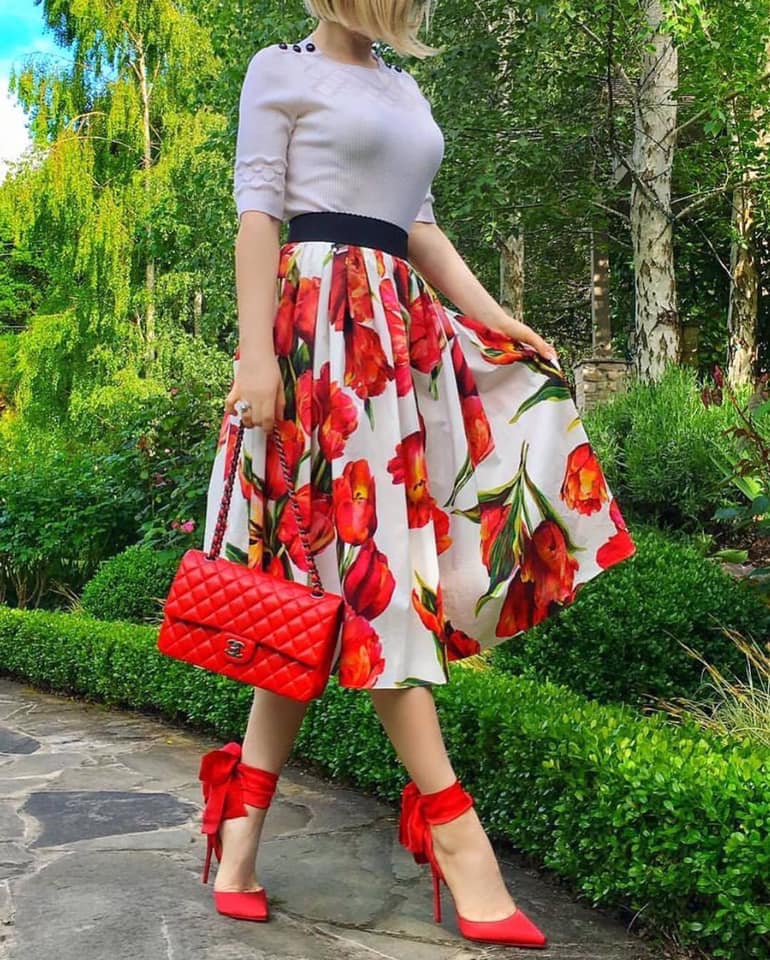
[(250, 626)]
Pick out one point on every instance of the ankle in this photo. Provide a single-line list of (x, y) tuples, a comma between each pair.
[(457, 834)]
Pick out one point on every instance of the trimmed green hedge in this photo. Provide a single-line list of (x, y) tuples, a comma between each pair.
[(637, 811), (620, 640)]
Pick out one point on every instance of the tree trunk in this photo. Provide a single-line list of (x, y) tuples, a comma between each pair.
[(149, 270), (742, 314), (601, 331), (197, 311), (512, 275), (657, 332)]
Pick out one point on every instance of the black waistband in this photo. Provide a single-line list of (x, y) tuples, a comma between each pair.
[(350, 228)]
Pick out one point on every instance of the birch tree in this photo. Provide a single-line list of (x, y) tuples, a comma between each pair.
[(657, 332), (110, 131)]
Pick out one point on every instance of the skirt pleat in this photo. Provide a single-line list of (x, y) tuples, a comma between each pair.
[(450, 491)]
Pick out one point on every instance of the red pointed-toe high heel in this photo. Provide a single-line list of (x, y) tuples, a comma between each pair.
[(228, 784), (418, 812)]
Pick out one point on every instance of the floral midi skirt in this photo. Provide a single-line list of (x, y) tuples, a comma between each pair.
[(450, 491)]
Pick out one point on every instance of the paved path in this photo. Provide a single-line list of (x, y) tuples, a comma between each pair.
[(101, 856)]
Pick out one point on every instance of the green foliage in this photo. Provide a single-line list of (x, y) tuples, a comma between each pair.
[(169, 449), (656, 443), (634, 811), (62, 510), (621, 639), (133, 463), (132, 585)]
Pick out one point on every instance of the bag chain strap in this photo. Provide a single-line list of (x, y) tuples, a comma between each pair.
[(224, 508)]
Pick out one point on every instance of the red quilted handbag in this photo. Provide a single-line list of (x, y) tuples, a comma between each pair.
[(247, 624)]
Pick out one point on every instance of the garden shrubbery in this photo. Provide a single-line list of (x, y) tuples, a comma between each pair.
[(635, 810), (120, 473), (619, 640), (656, 442), (132, 585), (63, 509)]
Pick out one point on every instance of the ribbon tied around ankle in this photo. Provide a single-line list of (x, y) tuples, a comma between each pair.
[(420, 810), (219, 775)]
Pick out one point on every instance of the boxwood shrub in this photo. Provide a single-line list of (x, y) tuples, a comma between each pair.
[(132, 585), (636, 811), (620, 640), (656, 443)]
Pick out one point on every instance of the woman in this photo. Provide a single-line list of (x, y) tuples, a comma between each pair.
[(449, 489)]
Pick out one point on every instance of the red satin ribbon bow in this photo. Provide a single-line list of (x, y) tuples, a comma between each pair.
[(419, 810), (218, 773)]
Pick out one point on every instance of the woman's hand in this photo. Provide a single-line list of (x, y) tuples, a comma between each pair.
[(259, 383), (519, 331), (438, 260)]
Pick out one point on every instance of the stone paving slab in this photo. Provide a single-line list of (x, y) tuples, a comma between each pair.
[(101, 857)]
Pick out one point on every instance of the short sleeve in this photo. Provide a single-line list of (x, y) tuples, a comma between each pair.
[(425, 213), (265, 121)]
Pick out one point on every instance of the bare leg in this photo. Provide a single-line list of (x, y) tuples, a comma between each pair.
[(462, 848), (270, 732)]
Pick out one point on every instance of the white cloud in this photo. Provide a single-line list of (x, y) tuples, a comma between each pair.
[(14, 138)]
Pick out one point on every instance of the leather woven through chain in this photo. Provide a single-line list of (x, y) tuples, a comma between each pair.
[(247, 624)]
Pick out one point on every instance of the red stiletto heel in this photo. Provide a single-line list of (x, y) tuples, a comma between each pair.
[(229, 784), (418, 812)]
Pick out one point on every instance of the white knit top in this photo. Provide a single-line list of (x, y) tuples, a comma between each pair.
[(316, 134)]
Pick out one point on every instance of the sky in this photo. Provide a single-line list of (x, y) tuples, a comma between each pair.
[(22, 32)]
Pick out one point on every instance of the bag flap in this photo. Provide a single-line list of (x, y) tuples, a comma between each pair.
[(246, 603)]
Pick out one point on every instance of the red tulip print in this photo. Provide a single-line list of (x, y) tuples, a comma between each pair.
[(399, 339), (367, 370), (294, 445), (359, 294), (355, 512), (545, 577), (466, 383), (230, 431), (459, 644), (477, 429), (361, 659), (499, 349), (584, 488), (337, 414), (286, 261), (620, 546), (429, 606), (306, 308), (308, 405), (409, 467), (338, 294), (318, 522), (426, 334), (369, 584), (284, 331), (224, 430), (494, 517), (441, 526)]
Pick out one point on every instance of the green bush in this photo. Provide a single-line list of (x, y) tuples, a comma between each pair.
[(634, 811), (619, 641), (63, 509), (655, 444), (131, 585)]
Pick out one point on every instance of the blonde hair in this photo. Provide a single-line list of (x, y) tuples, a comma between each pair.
[(396, 22)]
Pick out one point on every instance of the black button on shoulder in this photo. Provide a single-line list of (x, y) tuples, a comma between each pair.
[(283, 46), (310, 47), (399, 68), (297, 48)]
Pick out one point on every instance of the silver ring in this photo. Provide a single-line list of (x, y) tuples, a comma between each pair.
[(242, 405)]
